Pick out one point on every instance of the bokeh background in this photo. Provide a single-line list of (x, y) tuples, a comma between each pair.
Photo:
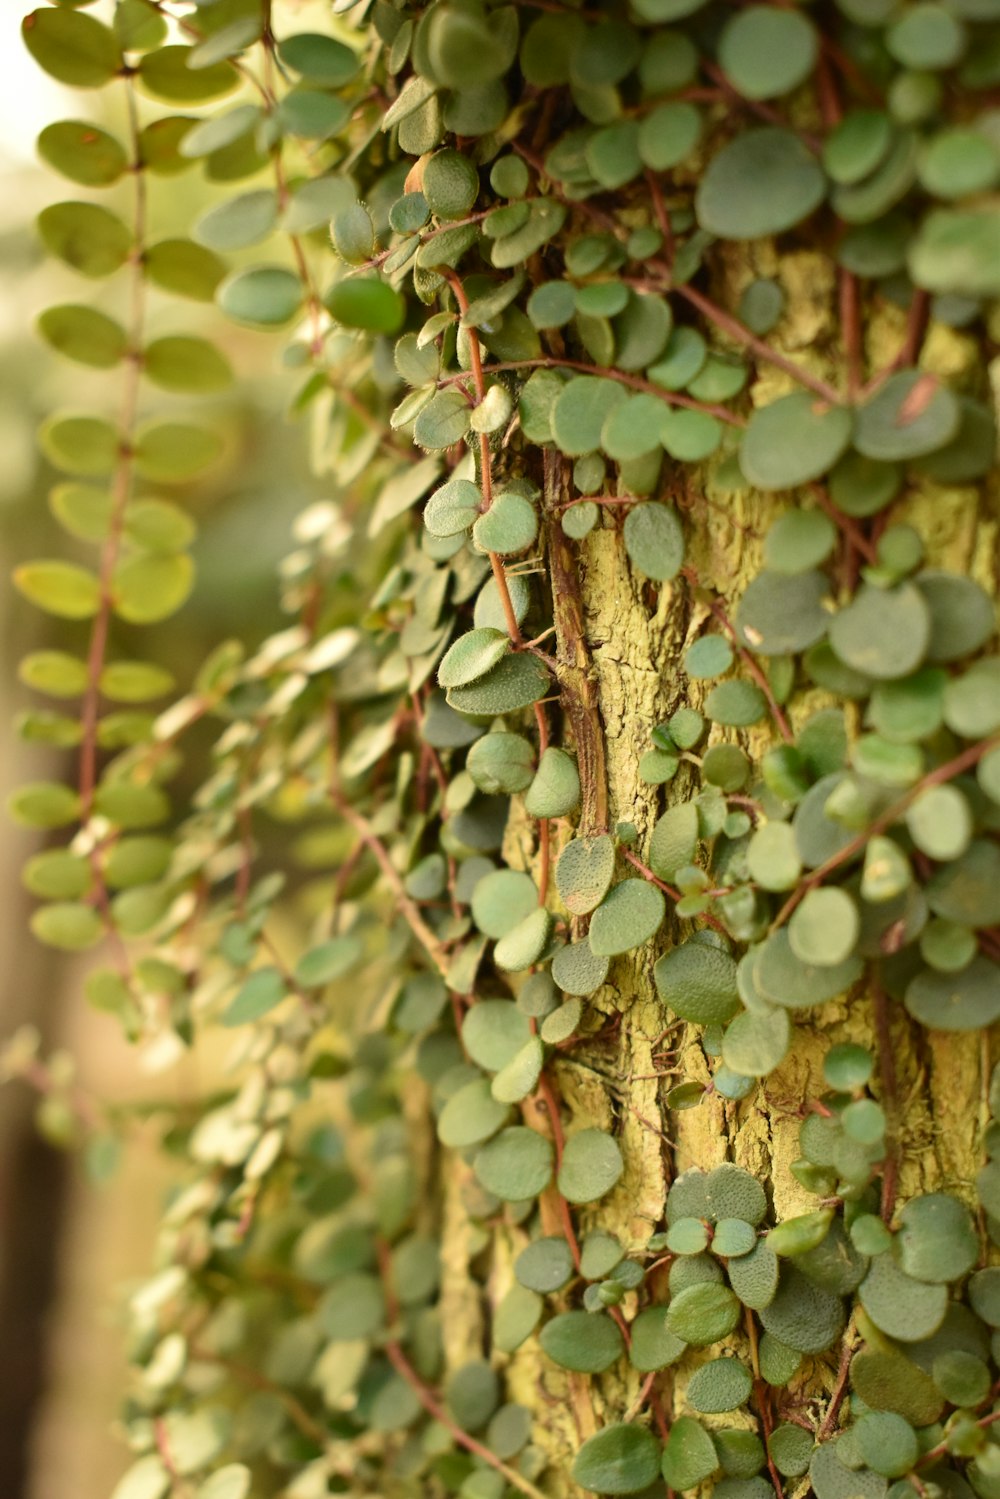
[(70, 1245)]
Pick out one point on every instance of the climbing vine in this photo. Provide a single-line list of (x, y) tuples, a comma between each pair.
[(572, 299)]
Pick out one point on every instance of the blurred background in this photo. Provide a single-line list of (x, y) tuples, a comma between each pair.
[(70, 1245)]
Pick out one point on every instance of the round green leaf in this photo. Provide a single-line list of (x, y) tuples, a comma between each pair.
[(654, 540), (883, 632), (723, 1384), (76, 49), (586, 1342), (689, 1456), (780, 613), (591, 1165), (964, 1001), (265, 295), (186, 364), (546, 1265), (515, 1165), (619, 1459), (762, 182), (698, 982), (584, 872), (471, 1116), (653, 1345), (901, 1307), (82, 151), (86, 236), (824, 927), (910, 415), (493, 1032), (794, 439), (367, 303), (803, 1315), (766, 52), (508, 527), (703, 1314), (629, 915)]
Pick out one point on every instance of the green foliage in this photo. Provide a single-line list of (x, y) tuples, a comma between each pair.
[(491, 237)]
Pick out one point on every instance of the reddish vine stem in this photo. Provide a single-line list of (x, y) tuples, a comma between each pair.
[(485, 460), (434, 1408), (762, 1398), (124, 470), (890, 1099), (848, 527), (742, 334), (635, 382), (840, 1388), (946, 772), (548, 1096), (406, 905)]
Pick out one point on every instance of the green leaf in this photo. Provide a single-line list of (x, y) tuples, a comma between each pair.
[(265, 295), (794, 439), (936, 1239), (911, 415), (443, 421), (618, 1459), (60, 588), (69, 926), (722, 1384), (187, 365), (184, 268), (591, 1165), (367, 303), (630, 914), (75, 49), (824, 927), (147, 589), (901, 1307), (519, 1077), (472, 656), (508, 527), (44, 804), (737, 704), (731, 1192), (555, 789), (689, 1456), (319, 58), (147, 1478), (83, 334), (238, 222), (698, 982), (667, 136), (703, 1314), (962, 613), (786, 980), (471, 1116), (82, 151), (765, 52), (580, 411), (166, 74), (515, 1165), (654, 540), (883, 632), (257, 996), (803, 1315), (546, 1265), (958, 251), (585, 1342), (887, 1443), (453, 508), (516, 682), (493, 1032), (755, 1043), (501, 764), (174, 452), (653, 1345), (762, 182), (230, 1482), (86, 236), (780, 613), (584, 873), (964, 1001)]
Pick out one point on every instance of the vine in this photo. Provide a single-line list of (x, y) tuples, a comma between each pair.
[(621, 297)]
